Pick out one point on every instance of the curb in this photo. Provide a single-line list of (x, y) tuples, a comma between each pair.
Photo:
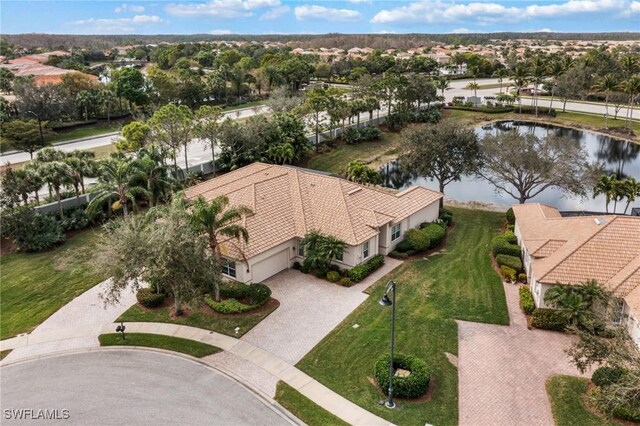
[(86, 138)]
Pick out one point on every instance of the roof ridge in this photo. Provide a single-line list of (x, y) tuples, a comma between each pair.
[(560, 261), (624, 280), (346, 207)]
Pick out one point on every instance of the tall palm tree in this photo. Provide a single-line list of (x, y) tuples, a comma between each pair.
[(34, 180), (500, 73), (631, 191), (631, 87), (520, 77), (220, 223), (537, 76), (84, 100), (158, 181), (442, 84), (57, 174), (606, 185), (473, 86), (607, 84), (555, 69), (281, 153), (118, 180)]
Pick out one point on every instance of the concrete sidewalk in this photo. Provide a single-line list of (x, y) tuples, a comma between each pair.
[(306, 385)]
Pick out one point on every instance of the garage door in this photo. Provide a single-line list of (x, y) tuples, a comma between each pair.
[(270, 266)]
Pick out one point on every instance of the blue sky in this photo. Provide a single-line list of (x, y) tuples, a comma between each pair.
[(316, 16)]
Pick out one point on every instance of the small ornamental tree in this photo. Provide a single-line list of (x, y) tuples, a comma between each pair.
[(320, 250)]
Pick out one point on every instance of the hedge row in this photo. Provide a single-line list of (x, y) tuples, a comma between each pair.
[(355, 135), (149, 298), (228, 306), (501, 245), (412, 386), (257, 294), (511, 261), (362, 271), (548, 319), (486, 110), (526, 300), (435, 232)]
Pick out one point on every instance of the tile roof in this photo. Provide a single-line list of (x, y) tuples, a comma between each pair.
[(288, 202), (572, 250)]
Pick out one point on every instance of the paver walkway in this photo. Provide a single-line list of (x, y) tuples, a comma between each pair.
[(502, 370), (309, 309), (86, 311), (261, 358)]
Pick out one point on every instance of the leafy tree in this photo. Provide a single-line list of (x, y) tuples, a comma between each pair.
[(24, 135), (555, 69), (135, 136), (129, 84), (47, 102), (220, 224), (444, 152), (282, 101), (74, 83), (6, 80), (57, 174), (315, 104), (523, 165), (117, 180), (207, 128), (607, 84), (359, 172), (172, 126), (18, 184), (631, 87), (320, 250), (473, 86), (294, 71)]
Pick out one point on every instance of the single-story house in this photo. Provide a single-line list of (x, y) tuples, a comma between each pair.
[(573, 250), (288, 202)]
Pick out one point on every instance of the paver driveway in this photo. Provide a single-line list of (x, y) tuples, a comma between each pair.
[(309, 309), (502, 370)]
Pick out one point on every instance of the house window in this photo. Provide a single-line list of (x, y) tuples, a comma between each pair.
[(365, 250), (229, 268), (395, 232), (300, 249), (340, 256)]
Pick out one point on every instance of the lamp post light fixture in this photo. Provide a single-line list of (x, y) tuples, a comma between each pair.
[(39, 126), (385, 301), (120, 329)]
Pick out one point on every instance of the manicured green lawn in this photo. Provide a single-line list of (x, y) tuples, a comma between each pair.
[(3, 354), (305, 409), (35, 285), (84, 132), (170, 343), (336, 160), (202, 317), (457, 284), (566, 394)]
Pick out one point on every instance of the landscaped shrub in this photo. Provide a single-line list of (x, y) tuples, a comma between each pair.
[(345, 282), (500, 245), (413, 385), (333, 276), (297, 265), (233, 290), (403, 246), (486, 110), (227, 306), (510, 261), (446, 216), (508, 273), (528, 109), (258, 294), (397, 255), (548, 319), (511, 217), (605, 376), (435, 233), (522, 277), (30, 230), (526, 300), (362, 271), (149, 298), (354, 135), (417, 239), (627, 412), (75, 218), (510, 237), (319, 273)]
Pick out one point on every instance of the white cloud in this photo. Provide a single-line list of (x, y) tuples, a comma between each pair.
[(386, 32), (635, 7), (314, 12), (224, 9), (544, 30), (275, 13), (220, 32), (360, 1), (445, 11), (129, 8), (119, 24), (462, 31)]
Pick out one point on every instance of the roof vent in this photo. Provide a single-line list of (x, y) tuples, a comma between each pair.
[(353, 191), (600, 221)]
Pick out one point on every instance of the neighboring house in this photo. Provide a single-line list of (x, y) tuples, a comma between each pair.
[(288, 202), (573, 250), (42, 74)]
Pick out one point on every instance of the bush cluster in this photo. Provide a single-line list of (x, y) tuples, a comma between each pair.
[(485, 109), (333, 276), (345, 282), (403, 246), (399, 255), (227, 306), (548, 319), (74, 218), (417, 239), (500, 245), (446, 216), (30, 230), (528, 109), (257, 294), (435, 233), (526, 300), (511, 217), (412, 386), (362, 271), (354, 135), (605, 376), (149, 298), (511, 261), (509, 274)]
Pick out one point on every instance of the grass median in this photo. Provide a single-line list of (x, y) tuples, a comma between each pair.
[(170, 343), (566, 394), (305, 409)]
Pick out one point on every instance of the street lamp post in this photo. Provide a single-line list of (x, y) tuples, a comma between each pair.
[(39, 126), (391, 287)]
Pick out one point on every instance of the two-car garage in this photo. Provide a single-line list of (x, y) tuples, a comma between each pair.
[(270, 266)]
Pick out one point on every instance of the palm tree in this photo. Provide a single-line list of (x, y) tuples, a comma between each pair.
[(520, 79), (107, 98), (207, 128), (221, 224), (631, 87), (631, 191), (473, 86), (86, 165), (320, 250), (85, 99), (555, 70), (607, 84), (118, 179), (57, 174), (158, 182), (34, 180), (282, 153), (537, 74), (442, 84), (500, 73), (605, 186), (359, 172)]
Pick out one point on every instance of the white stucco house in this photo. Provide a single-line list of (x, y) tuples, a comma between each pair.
[(573, 250), (288, 202)]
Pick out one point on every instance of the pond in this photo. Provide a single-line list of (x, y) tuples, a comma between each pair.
[(617, 156)]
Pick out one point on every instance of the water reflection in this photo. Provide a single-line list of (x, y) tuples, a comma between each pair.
[(616, 156)]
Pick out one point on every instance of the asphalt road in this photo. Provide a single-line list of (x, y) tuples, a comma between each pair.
[(129, 387)]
